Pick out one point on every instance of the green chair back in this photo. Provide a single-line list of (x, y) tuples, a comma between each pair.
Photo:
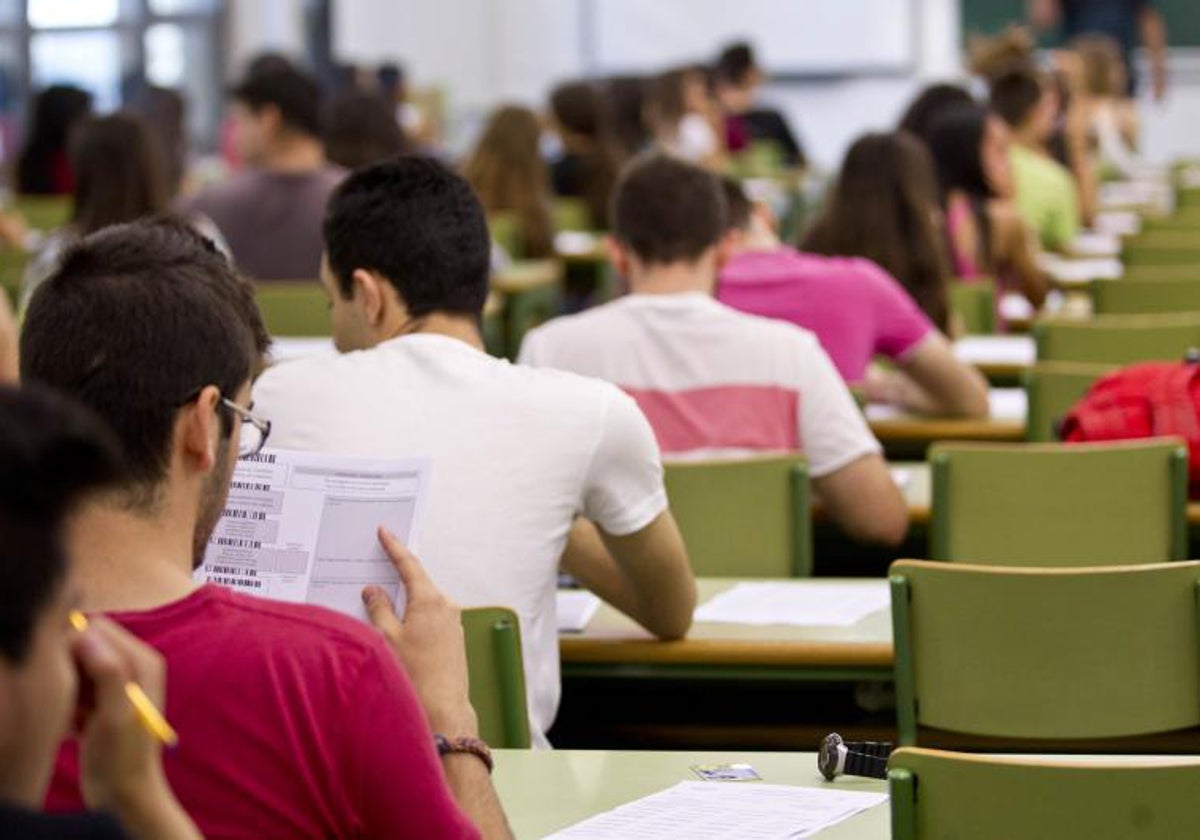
[(44, 212), (1044, 504), (532, 293), (497, 676), (760, 159), (505, 229), (299, 308), (1162, 247), (936, 794), (1145, 297), (12, 269), (744, 518), (572, 214), (1051, 389), (974, 302), (1139, 273), (1049, 654), (1117, 339)]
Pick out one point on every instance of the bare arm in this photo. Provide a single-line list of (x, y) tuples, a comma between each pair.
[(931, 381), (864, 501), (645, 574), (1015, 251), (9, 368), (1154, 39)]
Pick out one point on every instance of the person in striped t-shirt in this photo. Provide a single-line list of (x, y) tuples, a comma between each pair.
[(714, 382)]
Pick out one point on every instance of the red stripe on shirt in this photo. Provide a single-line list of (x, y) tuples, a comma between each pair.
[(758, 417)]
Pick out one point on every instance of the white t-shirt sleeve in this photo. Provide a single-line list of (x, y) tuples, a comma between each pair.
[(532, 349), (833, 432), (623, 487)]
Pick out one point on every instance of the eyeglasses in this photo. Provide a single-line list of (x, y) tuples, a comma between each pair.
[(255, 430)]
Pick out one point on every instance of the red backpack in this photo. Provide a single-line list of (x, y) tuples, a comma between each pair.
[(1152, 399)]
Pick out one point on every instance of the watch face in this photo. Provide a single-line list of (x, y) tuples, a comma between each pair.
[(827, 756)]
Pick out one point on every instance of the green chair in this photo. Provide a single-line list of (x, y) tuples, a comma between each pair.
[(1049, 658), (532, 293), (12, 269), (505, 229), (1051, 389), (1162, 247), (1041, 504), (937, 794), (497, 676), (745, 518), (1139, 273), (1145, 297), (1117, 339), (572, 214), (44, 212), (974, 303), (761, 159), (299, 308)]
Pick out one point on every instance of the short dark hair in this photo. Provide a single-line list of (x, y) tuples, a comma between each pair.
[(51, 452), (293, 92), (666, 210), (418, 224), (136, 319), (735, 63), (1015, 94), (738, 208), (361, 128)]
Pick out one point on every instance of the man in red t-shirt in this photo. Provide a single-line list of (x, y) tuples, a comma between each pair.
[(293, 721)]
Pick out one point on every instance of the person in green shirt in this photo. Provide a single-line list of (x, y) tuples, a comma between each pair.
[(1046, 193)]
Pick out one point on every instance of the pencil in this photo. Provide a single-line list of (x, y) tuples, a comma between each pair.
[(148, 714)]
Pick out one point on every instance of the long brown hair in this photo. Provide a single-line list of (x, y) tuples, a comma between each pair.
[(884, 207), (507, 171), (120, 174)]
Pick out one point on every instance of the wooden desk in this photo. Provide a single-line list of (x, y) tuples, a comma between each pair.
[(1007, 423), (527, 275), (613, 645), (544, 791), (997, 356)]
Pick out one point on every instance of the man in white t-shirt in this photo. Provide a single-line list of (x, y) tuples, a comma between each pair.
[(713, 381), (529, 467)]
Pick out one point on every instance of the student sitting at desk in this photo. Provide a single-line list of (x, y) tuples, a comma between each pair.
[(856, 309), (293, 721), (525, 461), (711, 380), (587, 168), (1044, 190)]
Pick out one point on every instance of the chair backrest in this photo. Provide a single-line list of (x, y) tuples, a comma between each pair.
[(505, 229), (497, 676), (1162, 247), (1056, 504), (744, 518), (974, 302), (1051, 389), (1145, 297), (572, 214), (45, 212), (1161, 272), (294, 308), (936, 794), (1050, 653), (1117, 339)]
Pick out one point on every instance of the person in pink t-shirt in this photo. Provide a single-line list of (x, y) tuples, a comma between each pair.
[(856, 309), (293, 721)]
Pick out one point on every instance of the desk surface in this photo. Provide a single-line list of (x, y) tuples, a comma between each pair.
[(1006, 423), (545, 791), (526, 275), (613, 638)]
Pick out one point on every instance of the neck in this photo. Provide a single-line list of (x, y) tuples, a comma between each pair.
[(294, 154), (1028, 137), (674, 278), (758, 237), (452, 325), (127, 560)]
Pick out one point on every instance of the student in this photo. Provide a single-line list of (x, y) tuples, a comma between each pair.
[(627, 97), (683, 117), (1109, 119), (44, 167), (711, 380), (360, 129), (986, 234), (293, 721), (52, 454), (928, 106), (120, 176), (588, 167), (270, 213), (519, 454), (739, 79), (883, 205), (508, 173), (1043, 188)]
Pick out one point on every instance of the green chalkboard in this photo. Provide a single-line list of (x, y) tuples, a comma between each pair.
[(988, 16)]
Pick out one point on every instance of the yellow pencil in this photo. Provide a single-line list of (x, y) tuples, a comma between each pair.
[(148, 714)]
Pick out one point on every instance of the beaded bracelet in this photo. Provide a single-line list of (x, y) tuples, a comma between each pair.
[(474, 746)]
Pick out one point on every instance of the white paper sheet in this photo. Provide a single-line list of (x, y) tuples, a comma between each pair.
[(302, 527), (1090, 244), (996, 350), (1008, 404), (799, 603), (718, 810), (901, 477), (285, 348), (1118, 223), (1016, 307), (575, 242), (574, 609), (1080, 272)]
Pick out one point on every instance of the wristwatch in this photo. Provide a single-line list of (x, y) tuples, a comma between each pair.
[(473, 746)]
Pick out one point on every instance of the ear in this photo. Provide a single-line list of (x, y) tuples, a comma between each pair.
[(198, 429), (368, 294), (618, 255)]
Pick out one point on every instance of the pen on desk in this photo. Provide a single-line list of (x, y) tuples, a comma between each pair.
[(148, 714)]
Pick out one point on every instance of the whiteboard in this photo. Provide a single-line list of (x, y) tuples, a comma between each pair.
[(789, 36)]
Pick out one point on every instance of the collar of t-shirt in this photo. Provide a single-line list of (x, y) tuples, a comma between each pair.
[(672, 301)]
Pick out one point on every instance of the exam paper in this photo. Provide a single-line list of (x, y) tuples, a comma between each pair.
[(801, 603), (1081, 272), (716, 810), (301, 527), (1008, 404), (996, 350), (574, 609)]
